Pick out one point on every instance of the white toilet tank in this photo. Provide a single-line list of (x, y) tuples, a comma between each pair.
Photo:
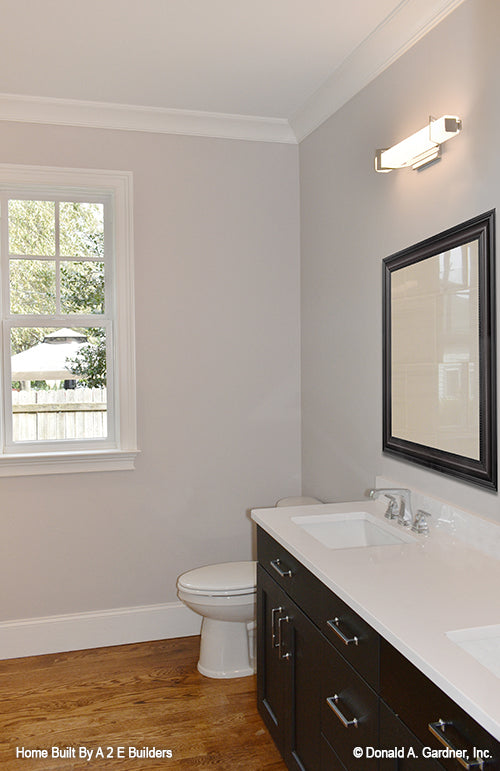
[(300, 500)]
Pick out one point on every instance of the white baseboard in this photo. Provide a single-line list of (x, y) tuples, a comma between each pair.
[(77, 631)]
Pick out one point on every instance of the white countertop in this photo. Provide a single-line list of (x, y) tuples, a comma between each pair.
[(412, 594)]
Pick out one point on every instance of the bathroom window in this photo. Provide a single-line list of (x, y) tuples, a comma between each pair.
[(68, 379)]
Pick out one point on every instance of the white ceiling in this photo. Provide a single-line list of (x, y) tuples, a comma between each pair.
[(277, 68)]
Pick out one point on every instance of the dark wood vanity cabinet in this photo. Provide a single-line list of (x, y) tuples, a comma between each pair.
[(315, 704), (328, 683)]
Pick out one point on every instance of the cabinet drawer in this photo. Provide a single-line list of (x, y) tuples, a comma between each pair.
[(420, 704), (329, 759), (348, 632), (349, 710), (287, 571), (396, 738)]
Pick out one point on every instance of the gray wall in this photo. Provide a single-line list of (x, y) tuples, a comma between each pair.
[(217, 320), (352, 218), (218, 326)]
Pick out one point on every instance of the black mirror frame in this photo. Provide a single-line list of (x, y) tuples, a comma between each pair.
[(481, 472)]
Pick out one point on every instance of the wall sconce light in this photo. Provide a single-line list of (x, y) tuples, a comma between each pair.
[(420, 148)]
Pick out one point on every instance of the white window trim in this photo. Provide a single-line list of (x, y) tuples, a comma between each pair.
[(122, 455)]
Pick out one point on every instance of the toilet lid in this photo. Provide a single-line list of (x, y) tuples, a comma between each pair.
[(225, 578)]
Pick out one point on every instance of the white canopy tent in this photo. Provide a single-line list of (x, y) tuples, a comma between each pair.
[(47, 360)]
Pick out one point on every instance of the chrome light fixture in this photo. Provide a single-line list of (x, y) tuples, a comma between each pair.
[(420, 148)]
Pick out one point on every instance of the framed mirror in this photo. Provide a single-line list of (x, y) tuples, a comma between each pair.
[(439, 376)]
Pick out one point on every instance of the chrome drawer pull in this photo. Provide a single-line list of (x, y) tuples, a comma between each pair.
[(437, 729), (334, 625), (283, 572), (332, 703), (274, 636), (281, 655)]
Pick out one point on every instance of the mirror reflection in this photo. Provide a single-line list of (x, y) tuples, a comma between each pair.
[(435, 351), (439, 352)]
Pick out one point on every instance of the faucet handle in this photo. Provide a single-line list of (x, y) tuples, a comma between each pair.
[(420, 524), (392, 511)]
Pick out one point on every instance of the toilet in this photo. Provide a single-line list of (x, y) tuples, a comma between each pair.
[(225, 595)]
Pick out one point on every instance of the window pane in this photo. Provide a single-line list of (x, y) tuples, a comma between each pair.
[(82, 287), (32, 286), (32, 227), (81, 227), (58, 384)]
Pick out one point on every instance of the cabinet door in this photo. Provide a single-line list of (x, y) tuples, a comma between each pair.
[(288, 675), (304, 645), (272, 673)]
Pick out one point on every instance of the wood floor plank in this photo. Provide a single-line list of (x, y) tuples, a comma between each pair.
[(142, 697)]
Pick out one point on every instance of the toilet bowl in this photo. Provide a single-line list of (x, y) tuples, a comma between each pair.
[(224, 594)]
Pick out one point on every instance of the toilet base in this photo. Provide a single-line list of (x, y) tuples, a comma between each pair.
[(226, 649)]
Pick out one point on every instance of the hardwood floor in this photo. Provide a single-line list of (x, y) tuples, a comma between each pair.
[(117, 701)]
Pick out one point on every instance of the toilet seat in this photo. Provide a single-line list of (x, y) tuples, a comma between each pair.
[(226, 579)]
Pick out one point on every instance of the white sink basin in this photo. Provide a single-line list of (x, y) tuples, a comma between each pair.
[(483, 643), (352, 531)]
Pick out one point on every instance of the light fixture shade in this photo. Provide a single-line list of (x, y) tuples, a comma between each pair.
[(420, 148)]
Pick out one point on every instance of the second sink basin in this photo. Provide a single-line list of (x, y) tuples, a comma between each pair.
[(351, 531), (483, 643)]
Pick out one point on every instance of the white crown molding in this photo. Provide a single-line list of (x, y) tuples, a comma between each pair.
[(410, 21), (77, 631), (406, 25), (73, 112)]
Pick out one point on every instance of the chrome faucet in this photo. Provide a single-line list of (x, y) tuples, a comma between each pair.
[(404, 514)]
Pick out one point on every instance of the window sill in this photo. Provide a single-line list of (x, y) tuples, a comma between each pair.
[(67, 462)]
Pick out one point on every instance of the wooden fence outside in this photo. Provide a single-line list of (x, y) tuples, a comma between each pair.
[(79, 413)]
